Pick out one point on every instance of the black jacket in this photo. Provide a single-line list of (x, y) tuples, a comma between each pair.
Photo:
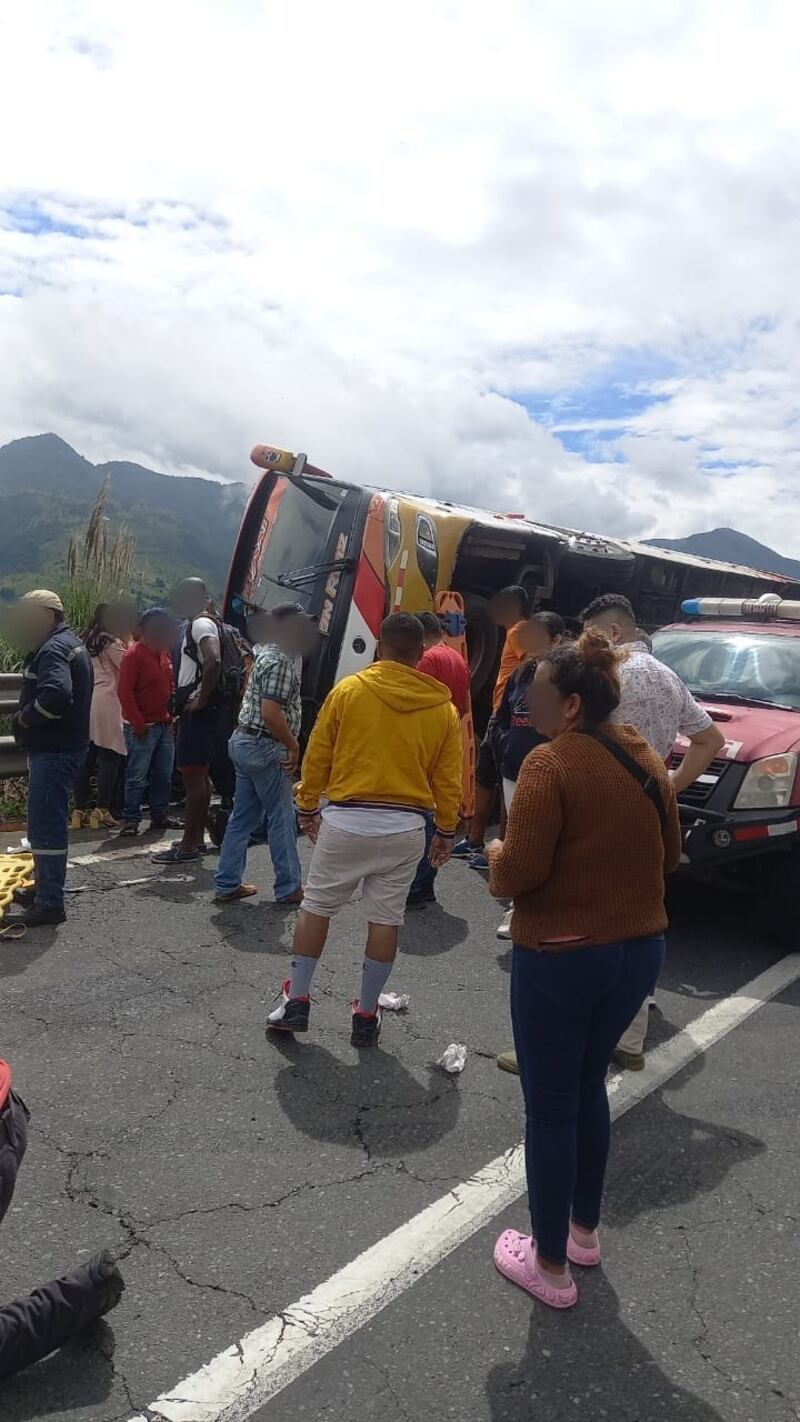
[(518, 733), (56, 696)]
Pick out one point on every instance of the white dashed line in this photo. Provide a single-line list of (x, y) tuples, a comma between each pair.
[(240, 1380)]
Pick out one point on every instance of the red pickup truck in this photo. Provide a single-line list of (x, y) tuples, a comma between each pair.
[(742, 817)]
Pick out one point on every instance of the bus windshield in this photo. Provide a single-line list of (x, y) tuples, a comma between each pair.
[(737, 666), (300, 539)]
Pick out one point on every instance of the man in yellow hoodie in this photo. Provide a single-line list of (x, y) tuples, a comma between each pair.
[(386, 747)]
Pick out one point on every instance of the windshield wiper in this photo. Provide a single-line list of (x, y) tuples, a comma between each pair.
[(299, 577), (738, 699)]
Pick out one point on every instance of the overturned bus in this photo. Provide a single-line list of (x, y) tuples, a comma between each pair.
[(351, 554)]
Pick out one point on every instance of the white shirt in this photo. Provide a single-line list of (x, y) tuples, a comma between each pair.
[(188, 672), (370, 822), (655, 701)]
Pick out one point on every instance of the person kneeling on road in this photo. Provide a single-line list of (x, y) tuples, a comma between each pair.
[(32, 1327), (386, 747)]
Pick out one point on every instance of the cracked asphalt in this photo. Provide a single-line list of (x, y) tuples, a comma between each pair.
[(231, 1175)]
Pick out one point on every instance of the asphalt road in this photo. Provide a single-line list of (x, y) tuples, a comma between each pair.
[(232, 1175)]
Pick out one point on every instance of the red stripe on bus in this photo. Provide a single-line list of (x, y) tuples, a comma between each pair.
[(369, 595)]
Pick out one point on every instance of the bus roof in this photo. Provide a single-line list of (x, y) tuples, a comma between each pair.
[(693, 560)]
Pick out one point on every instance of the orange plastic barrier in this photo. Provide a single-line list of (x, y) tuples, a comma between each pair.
[(452, 604)]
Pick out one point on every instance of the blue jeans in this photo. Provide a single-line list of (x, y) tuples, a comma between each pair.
[(569, 1010), (51, 776), (263, 792), (425, 876), (150, 760)]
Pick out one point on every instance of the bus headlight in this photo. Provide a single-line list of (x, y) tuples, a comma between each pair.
[(427, 550), (768, 783), (392, 532)]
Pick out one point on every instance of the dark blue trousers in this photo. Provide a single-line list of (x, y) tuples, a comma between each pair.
[(569, 1010)]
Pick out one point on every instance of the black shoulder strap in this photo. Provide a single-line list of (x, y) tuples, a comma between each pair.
[(648, 782)]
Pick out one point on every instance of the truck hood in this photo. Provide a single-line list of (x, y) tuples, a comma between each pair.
[(752, 732)]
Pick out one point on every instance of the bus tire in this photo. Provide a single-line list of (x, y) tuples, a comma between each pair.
[(483, 641)]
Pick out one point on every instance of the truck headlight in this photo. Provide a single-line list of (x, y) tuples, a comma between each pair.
[(768, 783)]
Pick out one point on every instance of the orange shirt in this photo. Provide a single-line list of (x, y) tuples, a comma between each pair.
[(509, 661)]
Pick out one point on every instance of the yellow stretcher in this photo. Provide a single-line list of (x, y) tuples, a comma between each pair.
[(16, 872), (451, 604)]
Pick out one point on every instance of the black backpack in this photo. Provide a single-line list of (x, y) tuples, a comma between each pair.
[(236, 655)]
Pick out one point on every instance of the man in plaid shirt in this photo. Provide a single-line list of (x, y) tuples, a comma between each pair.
[(265, 751)]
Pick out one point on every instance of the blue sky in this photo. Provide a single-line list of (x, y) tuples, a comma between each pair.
[(559, 271)]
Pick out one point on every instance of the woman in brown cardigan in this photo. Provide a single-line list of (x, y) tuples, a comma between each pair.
[(584, 858)]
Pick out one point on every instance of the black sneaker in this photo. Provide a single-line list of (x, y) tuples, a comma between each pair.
[(366, 1028), (216, 824), (34, 917), (462, 849), (425, 896), (292, 1015), (107, 1279)]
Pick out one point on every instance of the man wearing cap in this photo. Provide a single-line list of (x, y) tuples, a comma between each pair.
[(265, 751), (52, 724)]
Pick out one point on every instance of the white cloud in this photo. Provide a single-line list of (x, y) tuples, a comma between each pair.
[(363, 233)]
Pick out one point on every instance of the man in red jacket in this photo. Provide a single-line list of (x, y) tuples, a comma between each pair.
[(445, 665), (32, 1327), (145, 693)]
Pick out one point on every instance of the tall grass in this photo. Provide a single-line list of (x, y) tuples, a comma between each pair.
[(99, 569)]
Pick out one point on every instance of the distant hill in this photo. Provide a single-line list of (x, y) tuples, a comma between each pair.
[(731, 546), (182, 526)]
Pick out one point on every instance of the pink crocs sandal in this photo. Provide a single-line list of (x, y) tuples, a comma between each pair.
[(579, 1254), (515, 1257)]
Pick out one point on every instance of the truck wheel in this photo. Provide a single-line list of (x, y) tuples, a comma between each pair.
[(783, 900), (483, 640)]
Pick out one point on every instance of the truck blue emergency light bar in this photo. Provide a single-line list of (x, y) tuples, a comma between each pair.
[(765, 608)]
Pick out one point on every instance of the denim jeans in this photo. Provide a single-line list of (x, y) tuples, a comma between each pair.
[(263, 791), (51, 776), (150, 760), (568, 1011), (425, 876)]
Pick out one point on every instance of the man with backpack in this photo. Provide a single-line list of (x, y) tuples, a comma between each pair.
[(209, 681)]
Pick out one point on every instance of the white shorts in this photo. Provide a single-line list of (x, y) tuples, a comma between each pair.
[(385, 864)]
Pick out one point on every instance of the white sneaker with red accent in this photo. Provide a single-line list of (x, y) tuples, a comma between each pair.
[(292, 1015)]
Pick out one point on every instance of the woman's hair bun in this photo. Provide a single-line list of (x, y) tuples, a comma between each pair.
[(597, 651)]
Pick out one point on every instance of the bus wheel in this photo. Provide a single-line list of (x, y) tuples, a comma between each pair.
[(483, 640)]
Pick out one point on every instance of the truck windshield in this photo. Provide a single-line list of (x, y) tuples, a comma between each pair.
[(299, 541), (742, 666)]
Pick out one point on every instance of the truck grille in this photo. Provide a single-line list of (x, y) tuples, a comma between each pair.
[(700, 790)]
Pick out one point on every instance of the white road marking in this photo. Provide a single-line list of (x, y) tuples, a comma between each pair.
[(138, 850), (240, 1380)]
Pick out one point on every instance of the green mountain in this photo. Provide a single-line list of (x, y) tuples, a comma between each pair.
[(731, 546), (182, 526)]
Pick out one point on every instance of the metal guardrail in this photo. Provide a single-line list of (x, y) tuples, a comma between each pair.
[(13, 761)]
